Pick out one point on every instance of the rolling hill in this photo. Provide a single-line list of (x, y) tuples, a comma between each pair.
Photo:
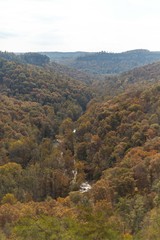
[(57, 132), (112, 85), (104, 62)]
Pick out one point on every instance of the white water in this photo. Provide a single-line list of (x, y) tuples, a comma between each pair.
[(74, 176), (85, 187)]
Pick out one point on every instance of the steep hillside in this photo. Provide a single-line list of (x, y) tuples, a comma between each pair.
[(91, 63), (113, 63), (67, 96), (34, 103), (107, 130), (139, 77), (32, 165), (72, 73), (118, 142), (55, 135), (115, 145)]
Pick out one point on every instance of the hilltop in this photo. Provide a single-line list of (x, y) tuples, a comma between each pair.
[(105, 62)]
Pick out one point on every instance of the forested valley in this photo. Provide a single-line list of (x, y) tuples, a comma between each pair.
[(79, 153), (105, 62)]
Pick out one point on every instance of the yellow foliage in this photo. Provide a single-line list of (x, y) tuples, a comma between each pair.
[(9, 198), (127, 236)]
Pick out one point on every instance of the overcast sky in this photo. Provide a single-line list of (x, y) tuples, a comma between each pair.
[(79, 25)]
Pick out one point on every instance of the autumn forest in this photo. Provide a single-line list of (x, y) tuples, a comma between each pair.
[(80, 146)]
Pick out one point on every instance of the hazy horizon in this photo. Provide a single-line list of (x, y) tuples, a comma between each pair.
[(76, 51)]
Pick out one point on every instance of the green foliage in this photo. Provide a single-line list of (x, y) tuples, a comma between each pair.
[(150, 228), (52, 228), (10, 175), (2, 236), (9, 198)]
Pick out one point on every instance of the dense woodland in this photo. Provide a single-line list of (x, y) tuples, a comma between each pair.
[(57, 132), (105, 62), (114, 63), (111, 85)]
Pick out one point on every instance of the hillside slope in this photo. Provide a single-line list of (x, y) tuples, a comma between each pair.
[(113, 85), (54, 136), (113, 63), (30, 83), (115, 145)]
